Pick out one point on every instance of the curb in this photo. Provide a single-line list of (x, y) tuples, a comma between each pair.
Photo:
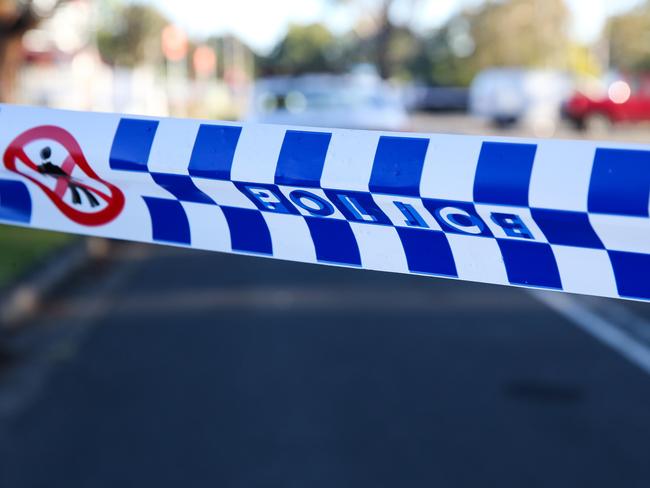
[(23, 297)]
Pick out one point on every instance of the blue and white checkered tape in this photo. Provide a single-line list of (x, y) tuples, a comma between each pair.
[(563, 215)]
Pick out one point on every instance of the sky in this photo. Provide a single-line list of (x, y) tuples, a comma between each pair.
[(261, 23)]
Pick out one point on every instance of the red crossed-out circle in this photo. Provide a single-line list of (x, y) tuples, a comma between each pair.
[(114, 198)]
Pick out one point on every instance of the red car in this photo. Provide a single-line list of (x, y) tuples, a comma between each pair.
[(624, 99)]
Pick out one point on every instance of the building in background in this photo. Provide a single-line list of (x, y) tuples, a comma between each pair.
[(83, 56), (63, 68)]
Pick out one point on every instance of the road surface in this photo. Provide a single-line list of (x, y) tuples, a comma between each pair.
[(167, 367)]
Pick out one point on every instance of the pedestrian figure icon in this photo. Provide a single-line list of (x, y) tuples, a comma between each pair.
[(64, 180)]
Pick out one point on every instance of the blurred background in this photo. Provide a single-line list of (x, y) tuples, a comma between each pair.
[(143, 365), (515, 62)]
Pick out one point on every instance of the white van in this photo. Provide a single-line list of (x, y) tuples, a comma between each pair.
[(507, 96)]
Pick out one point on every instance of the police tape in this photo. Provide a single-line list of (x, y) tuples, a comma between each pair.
[(563, 215)]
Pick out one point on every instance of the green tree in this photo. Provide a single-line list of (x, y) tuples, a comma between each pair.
[(305, 48), (131, 35), (388, 46), (446, 54), (521, 32), (526, 33), (629, 39), (399, 55)]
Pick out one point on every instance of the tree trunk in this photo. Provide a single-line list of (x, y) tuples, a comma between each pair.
[(384, 35), (12, 27)]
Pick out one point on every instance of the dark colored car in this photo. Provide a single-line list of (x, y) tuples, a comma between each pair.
[(436, 98), (624, 99)]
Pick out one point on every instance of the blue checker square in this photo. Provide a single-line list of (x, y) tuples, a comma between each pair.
[(214, 151), (566, 228), (334, 241), (620, 182), (631, 271), (248, 230), (302, 158), (398, 163), (168, 221), (182, 187), (503, 173), (132, 144), (15, 202), (427, 251), (530, 263)]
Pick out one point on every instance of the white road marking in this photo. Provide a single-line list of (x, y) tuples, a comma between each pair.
[(620, 329)]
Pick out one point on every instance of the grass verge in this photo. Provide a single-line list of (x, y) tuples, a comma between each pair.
[(21, 247)]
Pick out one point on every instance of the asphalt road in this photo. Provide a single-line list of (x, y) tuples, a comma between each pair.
[(166, 367)]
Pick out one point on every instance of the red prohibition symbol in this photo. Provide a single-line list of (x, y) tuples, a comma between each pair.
[(84, 198)]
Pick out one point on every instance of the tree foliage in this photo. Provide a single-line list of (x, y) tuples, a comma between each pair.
[(131, 36), (527, 33), (380, 41), (304, 49), (521, 32), (629, 38)]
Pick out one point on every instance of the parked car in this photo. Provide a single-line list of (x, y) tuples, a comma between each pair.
[(322, 100), (617, 98), (422, 98), (507, 96)]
